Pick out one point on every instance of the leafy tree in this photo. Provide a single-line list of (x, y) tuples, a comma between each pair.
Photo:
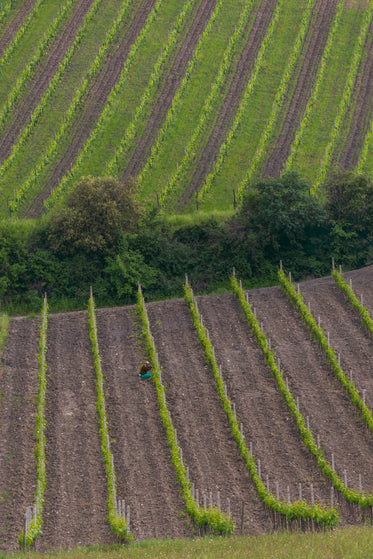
[(97, 212), (349, 203)]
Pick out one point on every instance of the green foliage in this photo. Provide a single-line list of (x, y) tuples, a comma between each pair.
[(98, 211), (4, 326), (35, 527), (349, 203), (117, 523), (366, 414), (324, 517), (212, 518), (365, 316)]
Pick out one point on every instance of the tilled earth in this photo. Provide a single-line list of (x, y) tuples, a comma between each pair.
[(75, 500)]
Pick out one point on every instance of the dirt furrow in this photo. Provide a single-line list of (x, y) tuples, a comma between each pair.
[(259, 405), (203, 431), (362, 105), (94, 103), (315, 42), (75, 507), (321, 397), (14, 25), (42, 77), (146, 478), (18, 391), (171, 84), (347, 335), (231, 101), (362, 284)]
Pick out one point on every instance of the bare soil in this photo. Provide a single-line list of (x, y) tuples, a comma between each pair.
[(209, 450), (75, 507), (12, 27), (41, 78), (305, 73), (146, 478), (18, 395)]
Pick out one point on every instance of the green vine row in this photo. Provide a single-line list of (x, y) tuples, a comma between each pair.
[(318, 333), (34, 527), (347, 288), (53, 84), (28, 72), (224, 149), (300, 510), (203, 517), (4, 327), (150, 91), (350, 495), (21, 30), (117, 522), (317, 89), (209, 107), (346, 99), (278, 102), (75, 105)]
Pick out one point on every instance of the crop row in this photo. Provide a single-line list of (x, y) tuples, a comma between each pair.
[(34, 527), (210, 107), (346, 99), (73, 108), (54, 83), (117, 522), (148, 95), (347, 288), (212, 518), (297, 300), (5, 9), (66, 181), (20, 32), (28, 72), (278, 102), (350, 495), (4, 326), (317, 88)]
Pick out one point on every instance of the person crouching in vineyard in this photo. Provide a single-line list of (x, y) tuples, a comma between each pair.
[(145, 370)]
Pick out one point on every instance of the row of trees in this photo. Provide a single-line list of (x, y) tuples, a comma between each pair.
[(103, 237)]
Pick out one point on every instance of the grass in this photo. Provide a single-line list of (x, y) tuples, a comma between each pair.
[(316, 134), (4, 325), (25, 49), (347, 543), (29, 154), (258, 105)]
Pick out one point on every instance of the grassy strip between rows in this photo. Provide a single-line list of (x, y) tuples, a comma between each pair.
[(297, 300), (366, 157), (299, 510), (67, 180), (70, 115), (35, 526), (317, 88), (347, 99), (347, 288), (4, 327), (117, 523), (278, 103), (20, 32), (350, 495), (210, 108), (28, 72), (149, 95), (203, 517), (5, 9), (53, 84)]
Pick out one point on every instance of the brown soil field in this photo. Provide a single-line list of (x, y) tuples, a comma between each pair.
[(75, 508)]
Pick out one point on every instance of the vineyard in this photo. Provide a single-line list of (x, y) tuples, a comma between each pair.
[(196, 100), (251, 422)]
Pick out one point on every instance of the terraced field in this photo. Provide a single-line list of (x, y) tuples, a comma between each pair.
[(195, 99), (76, 490)]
